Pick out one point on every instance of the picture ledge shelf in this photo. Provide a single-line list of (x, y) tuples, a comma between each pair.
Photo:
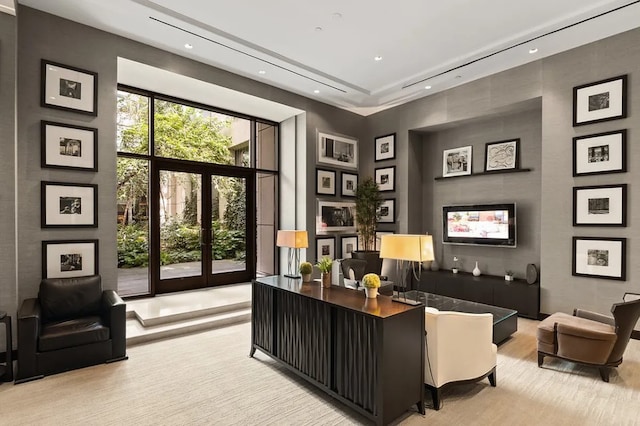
[(494, 172)]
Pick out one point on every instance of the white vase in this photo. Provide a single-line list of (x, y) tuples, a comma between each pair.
[(372, 292), (476, 270)]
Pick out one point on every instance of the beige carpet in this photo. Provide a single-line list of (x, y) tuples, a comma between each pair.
[(207, 379)]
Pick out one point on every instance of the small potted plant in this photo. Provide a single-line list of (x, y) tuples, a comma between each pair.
[(306, 269), (371, 283), (508, 275), (324, 265)]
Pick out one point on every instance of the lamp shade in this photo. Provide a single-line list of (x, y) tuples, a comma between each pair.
[(415, 248), (292, 239)]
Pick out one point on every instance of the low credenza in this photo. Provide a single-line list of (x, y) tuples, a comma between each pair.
[(366, 353)]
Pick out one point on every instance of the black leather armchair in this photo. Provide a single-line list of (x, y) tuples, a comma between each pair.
[(72, 324)]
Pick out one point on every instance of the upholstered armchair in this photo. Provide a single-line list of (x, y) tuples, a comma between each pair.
[(460, 349), (72, 324), (353, 269), (589, 338)]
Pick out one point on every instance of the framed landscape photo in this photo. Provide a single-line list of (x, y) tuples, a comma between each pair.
[(456, 161), (386, 178), (336, 150), (603, 205), (600, 153), (349, 245), (385, 147), (336, 216), (388, 211), (602, 100), (349, 184), (325, 182), (69, 88), (502, 155), (326, 246), (66, 259), (598, 257), (69, 205), (64, 146)]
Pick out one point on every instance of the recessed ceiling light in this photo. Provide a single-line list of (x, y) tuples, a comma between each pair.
[(427, 87), (188, 46), (533, 50), (377, 58), (458, 76), (262, 72), (337, 15), (318, 29), (316, 91)]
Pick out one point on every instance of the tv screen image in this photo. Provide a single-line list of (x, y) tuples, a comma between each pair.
[(483, 224)]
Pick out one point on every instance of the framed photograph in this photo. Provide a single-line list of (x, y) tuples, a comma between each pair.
[(604, 205), (336, 216), (337, 150), (349, 245), (379, 235), (386, 178), (349, 184), (66, 259), (69, 88), (502, 155), (385, 147), (326, 246), (600, 101), (64, 146), (388, 211), (456, 161), (600, 153), (597, 257), (325, 182), (69, 205)]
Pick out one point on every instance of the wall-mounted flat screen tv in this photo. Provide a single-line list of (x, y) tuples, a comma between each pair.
[(480, 224)]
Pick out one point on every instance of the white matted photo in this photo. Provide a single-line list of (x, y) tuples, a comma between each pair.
[(66, 146), (69, 88), (349, 184), (69, 205), (385, 147), (388, 211), (325, 182), (600, 101), (66, 259), (456, 161), (502, 155), (600, 153), (341, 151), (326, 247), (336, 216), (386, 178), (379, 235), (603, 205), (599, 257), (349, 245)]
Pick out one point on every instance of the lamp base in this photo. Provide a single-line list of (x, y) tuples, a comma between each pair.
[(295, 277), (406, 301)]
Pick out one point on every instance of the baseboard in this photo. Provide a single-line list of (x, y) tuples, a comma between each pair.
[(635, 334)]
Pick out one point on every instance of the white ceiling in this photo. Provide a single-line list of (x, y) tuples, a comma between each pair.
[(329, 46), (8, 6)]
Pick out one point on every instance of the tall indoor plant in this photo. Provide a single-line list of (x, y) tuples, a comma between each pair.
[(368, 202)]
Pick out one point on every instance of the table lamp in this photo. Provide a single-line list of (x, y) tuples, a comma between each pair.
[(408, 250), (294, 241)]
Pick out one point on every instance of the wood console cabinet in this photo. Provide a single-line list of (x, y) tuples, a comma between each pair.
[(367, 353), (487, 289)]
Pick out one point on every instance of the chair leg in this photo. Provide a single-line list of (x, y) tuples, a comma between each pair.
[(492, 377), (540, 359), (604, 373)]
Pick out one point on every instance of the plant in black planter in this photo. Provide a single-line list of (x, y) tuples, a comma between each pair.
[(368, 202)]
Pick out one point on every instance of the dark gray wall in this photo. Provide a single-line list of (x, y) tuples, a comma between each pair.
[(8, 45)]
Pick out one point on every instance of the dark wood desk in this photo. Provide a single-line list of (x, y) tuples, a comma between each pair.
[(368, 354)]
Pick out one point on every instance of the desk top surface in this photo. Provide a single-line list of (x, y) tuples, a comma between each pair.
[(381, 306)]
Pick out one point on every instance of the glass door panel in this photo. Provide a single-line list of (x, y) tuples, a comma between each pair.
[(228, 224)]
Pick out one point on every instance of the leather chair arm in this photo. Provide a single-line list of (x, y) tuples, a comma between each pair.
[(114, 314), (585, 333), (28, 332), (594, 316)]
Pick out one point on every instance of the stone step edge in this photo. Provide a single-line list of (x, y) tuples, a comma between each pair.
[(191, 314)]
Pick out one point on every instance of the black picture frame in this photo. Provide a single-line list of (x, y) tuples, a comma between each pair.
[(388, 215), (600, 101), (600, 205), (385, 177), (67, 146), (335, 216), (68, 88), (385, 147), (349, 183), (344, 246), (599, 257), (69, 258), (502, 155), (325, 242), (600, 153), (325, 182), (68, 205)]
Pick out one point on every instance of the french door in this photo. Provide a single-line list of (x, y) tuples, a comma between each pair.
[(203, 229)]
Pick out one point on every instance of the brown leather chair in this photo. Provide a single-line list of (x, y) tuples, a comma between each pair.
[(589, 338)]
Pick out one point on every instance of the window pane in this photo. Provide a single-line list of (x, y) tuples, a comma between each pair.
[(266, 223), (133, 123), (266, 144), (228, 224), (133, 226)]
